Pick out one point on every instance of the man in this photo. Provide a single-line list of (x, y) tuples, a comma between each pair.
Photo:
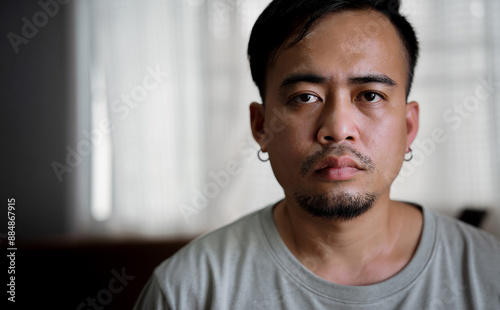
[(334, 77)]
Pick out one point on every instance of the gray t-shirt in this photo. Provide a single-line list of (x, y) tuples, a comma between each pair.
[(246, 265)]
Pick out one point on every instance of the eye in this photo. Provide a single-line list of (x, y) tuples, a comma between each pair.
[(305, 98), (369, 96)]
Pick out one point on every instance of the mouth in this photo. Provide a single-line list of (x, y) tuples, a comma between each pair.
[(337, 168)]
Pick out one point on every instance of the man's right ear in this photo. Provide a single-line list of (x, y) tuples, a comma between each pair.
[(257, 118)]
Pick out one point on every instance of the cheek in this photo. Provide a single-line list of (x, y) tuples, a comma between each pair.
[(285, 132), (287, 145), (387, 143), (386, 132), (287, 148)]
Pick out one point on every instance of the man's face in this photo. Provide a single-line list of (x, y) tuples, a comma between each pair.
[(336, 122)]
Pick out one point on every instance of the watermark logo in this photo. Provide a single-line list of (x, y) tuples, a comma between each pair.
[(221, 179), (105, 296), (449, 295), (40, 19), (122, 107), (454, 116)]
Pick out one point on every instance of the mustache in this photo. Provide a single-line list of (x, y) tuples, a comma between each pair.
[(337, 151)]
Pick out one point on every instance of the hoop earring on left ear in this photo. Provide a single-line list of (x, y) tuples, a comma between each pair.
[(411, 155), (260, 158)]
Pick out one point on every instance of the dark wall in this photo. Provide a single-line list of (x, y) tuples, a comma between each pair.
[(76, 274), (35, 117)]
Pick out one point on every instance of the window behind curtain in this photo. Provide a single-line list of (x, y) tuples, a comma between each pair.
[(459, 52), (180, 159)]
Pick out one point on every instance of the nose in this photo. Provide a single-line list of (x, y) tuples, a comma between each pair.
[(337, 122)]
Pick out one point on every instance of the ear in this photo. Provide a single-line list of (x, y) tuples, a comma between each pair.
[(257, 118), (412, 121)]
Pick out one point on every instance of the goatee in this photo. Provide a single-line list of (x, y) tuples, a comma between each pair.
[(342, 206)]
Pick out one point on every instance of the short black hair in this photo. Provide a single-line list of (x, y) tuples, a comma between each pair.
[(283, 18)]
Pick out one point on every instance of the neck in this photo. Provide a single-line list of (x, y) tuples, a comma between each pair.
[(365, 250)]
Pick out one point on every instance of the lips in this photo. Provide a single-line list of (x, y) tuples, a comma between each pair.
[(337, 168), (337, 162)]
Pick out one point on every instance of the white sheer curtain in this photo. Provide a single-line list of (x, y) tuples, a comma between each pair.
[(173, 78), (456, 162)]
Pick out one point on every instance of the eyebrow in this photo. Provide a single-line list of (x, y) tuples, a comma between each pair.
[(317, 79), (302, 77), (373, 78)]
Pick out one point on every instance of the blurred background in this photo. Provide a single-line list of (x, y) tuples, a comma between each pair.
[(125, 130)]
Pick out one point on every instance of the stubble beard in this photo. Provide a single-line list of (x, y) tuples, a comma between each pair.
[(341, 206)]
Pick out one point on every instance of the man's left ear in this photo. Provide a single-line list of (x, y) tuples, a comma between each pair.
[(412, 120)]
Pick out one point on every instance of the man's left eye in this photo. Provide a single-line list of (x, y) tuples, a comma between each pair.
[(369, 97)]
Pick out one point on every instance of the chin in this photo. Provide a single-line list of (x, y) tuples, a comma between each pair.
[(342, 206)]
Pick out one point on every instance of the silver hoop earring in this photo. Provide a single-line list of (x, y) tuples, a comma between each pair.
[(411, 155), (260, 158)]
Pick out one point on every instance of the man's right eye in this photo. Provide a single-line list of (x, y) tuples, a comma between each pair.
[(305, 98)]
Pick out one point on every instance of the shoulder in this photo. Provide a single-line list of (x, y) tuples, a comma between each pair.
[(211, 258), (232, 236), (466, 247), (458, 232), (465, 261)]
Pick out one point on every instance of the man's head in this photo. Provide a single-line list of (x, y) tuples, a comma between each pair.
[(286, 22), (336, 122)]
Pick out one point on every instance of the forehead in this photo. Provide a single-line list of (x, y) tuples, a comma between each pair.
[(344, 44)]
